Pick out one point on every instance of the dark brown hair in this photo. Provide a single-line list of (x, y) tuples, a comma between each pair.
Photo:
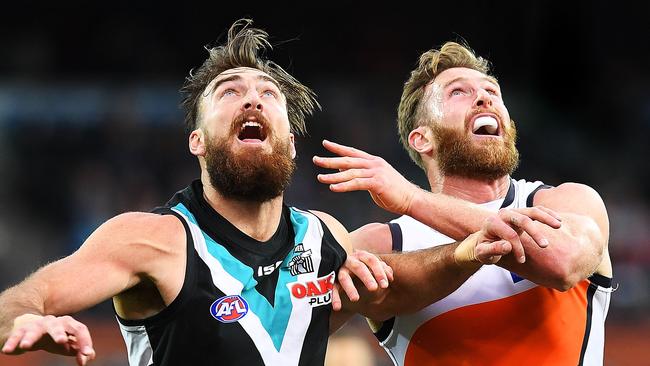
[(243, 48)]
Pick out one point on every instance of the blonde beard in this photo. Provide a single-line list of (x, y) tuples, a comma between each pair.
[(458, 155)]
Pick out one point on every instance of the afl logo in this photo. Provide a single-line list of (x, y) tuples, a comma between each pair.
[(229, 309)]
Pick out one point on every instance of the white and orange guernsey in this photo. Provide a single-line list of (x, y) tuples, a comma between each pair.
[(497, 317)]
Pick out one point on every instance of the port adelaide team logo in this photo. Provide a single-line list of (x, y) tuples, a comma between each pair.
[(229, 309), (301, 262)]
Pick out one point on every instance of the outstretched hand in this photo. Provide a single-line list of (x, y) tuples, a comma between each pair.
[(368, 268), (502, 234), (360, 171), (62, 335)]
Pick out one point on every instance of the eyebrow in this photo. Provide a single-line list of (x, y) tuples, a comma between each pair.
[(270, 80), (462, 78), (225, 80), (238, 77)]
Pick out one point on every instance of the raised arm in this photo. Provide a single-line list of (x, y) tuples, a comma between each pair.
[(572, 253), (120, 254)]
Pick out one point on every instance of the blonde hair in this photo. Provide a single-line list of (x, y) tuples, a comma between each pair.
[(243, 48), (410, 113)]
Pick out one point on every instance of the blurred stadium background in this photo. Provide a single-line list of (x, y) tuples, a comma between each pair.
[(90, 125)]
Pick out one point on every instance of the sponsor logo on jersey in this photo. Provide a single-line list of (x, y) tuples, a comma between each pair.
[(267, 270), (301, 262), (229, 309), (317, 292)]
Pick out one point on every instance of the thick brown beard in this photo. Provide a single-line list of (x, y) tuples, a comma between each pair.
[(249, 177), (458, 155)]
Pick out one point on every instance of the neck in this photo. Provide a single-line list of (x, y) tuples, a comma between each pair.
[(469, 189), (259, 220)]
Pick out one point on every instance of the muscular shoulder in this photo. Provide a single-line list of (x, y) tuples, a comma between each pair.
[(573, 197), (374, 237), (136, 237)]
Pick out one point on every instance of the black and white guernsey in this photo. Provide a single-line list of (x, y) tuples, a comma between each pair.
[(243, 302)]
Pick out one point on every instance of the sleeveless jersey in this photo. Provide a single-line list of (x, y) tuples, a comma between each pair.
[(243, 302), (497, 317)]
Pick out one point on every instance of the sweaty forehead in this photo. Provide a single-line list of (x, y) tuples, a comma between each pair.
[(243, 72), (461, 73)]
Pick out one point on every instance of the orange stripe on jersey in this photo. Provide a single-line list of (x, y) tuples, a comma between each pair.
[(540, 326)]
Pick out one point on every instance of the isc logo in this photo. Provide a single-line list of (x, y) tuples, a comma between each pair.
[(229, 309)]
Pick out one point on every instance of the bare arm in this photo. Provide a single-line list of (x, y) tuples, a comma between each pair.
[(436, 267), (443, 269), (575, 251), (117, 256)]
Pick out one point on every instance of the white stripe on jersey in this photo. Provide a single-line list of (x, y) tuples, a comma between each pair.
[(300, 317), (137, 344)]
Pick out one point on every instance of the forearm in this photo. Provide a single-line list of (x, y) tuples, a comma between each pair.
[(17, 301), (451, 216), (420, 279), (573, 254)]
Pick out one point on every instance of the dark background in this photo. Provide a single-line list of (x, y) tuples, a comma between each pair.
[(90, 125)]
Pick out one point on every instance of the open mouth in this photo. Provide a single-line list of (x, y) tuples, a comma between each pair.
[(251, 131), (486, 126)]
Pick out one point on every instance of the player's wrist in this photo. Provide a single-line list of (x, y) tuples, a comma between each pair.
[(465, 253), (415, 199), (26, 318)]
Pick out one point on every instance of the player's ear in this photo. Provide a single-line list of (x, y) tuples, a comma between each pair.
[(197, 142), (421, 140), (292, 143)]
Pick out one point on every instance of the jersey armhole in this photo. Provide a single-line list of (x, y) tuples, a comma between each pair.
[(386, 328), (396, 236), (530, 200), (600, 280), (188, 279)]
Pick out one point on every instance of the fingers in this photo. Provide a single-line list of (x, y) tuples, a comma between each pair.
[(345, 162), (82, 359), (12, 342), (498, 228), (343, 150), (552, 213), (361, 271), (526, 224), (343, 176), (336, 299), (34, 331), (356, 184), (69, 337), (368, 268), (491, 252), (389, 271), (524, 220), (542, 214), (347, 284), (82, 342), (377, 266)]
